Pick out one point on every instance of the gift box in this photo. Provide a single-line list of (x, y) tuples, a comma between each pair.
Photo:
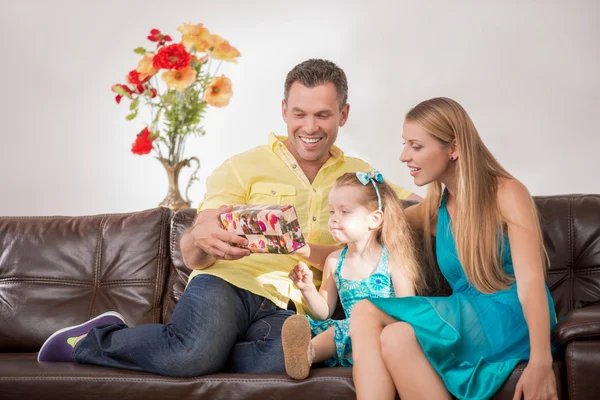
[(268, 228)]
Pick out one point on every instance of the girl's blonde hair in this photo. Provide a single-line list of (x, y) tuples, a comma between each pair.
[(477, 223), (394, 232)]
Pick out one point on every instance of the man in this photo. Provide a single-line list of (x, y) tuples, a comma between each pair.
[(231, 313)]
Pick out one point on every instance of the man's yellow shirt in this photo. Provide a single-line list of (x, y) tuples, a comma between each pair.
[(269, 174)]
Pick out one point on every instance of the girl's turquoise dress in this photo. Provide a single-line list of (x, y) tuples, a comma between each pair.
[(473, 340), (378, 284)]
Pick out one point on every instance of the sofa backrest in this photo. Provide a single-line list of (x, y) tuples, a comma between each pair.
[(179, 273), (61, 271), (571, 229)]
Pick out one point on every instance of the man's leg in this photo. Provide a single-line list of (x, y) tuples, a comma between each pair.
[(207, 321), (259, 351)]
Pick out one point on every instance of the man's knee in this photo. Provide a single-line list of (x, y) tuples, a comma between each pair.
[(186, 364)]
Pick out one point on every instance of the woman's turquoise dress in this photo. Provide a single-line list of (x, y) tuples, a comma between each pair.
[(473, 340)]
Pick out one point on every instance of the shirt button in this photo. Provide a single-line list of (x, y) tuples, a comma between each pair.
[(314, 218), (314, 190), (294, 166), (273, 192)]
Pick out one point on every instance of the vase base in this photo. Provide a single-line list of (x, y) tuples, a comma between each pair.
[(174, 205)]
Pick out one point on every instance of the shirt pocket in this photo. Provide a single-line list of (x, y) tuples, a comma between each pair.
[(271, 193)]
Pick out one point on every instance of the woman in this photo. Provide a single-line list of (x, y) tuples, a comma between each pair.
[(489, 247)]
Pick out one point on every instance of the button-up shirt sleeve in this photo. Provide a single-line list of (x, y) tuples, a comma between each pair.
[(223, 187)]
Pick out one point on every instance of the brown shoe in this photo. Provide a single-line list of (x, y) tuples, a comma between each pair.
[(295, 338)]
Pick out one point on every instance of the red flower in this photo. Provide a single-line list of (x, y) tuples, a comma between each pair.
[(134, 78), (173, 56), (156, 36), (122, 88), (143, 143)]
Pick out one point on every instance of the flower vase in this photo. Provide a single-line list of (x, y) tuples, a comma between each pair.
[(174, 200)]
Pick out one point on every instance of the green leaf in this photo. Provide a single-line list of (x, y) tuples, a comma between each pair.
[(134, 104), (139, 50), (131, 116), (119, 90)]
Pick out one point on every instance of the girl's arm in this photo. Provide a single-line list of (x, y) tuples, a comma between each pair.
[(522, 221), (316, 254), (403, 284), (321, 304)]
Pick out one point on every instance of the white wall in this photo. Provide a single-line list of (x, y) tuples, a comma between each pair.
[(527, 71)]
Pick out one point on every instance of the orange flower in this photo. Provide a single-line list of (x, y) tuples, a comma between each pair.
[(222, 50), (196, 36), (145, 67), (179, 79), (219, 91), (195, 61)]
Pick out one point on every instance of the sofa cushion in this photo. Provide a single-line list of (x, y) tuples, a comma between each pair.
[(22, 377), (60, 271)]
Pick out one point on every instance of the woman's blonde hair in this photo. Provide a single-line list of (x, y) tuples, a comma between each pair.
[(394, 232), (477, 223)]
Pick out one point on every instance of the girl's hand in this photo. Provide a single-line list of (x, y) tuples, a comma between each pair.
[(302, 277), (537, 383)]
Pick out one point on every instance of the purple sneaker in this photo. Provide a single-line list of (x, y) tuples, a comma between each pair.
[(56, 348)]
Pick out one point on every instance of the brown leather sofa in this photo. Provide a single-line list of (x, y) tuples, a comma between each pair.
[(60, 271)]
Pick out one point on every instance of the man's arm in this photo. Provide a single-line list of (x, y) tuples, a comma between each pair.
[(415, 197), (206, 241)]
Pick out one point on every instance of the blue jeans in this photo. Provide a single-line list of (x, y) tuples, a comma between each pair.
[(215, 327)]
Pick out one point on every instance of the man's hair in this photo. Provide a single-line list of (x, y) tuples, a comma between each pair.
[(315, 72)]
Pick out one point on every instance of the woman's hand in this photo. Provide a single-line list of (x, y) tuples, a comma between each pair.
[(537, 383)]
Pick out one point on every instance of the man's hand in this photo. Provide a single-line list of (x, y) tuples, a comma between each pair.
[(302, 277), (208, 235)]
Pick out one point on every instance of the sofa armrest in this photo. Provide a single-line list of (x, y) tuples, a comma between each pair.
[(582, 323)]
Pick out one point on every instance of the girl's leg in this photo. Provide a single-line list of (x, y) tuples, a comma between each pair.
[(372, 378), (411, 371), (295, 340), (324, 346)]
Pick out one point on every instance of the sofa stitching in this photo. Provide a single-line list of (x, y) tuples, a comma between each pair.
[(83, 284), (571, 258), (159, 272), (199, 380), (128, 214), (167, 302), (96, 284), (178, 217), (571, 373)]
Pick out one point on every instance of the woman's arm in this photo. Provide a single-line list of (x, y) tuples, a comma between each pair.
[(522, 222), (521, 218), (403, 284)]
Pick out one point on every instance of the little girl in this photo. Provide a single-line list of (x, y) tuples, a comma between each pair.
[(377, 261)]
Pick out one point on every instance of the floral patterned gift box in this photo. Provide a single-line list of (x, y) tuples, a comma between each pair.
[(268, 228)]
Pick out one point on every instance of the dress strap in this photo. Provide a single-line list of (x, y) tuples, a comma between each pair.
[(444, 197), (338, 269), (383, 265)]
